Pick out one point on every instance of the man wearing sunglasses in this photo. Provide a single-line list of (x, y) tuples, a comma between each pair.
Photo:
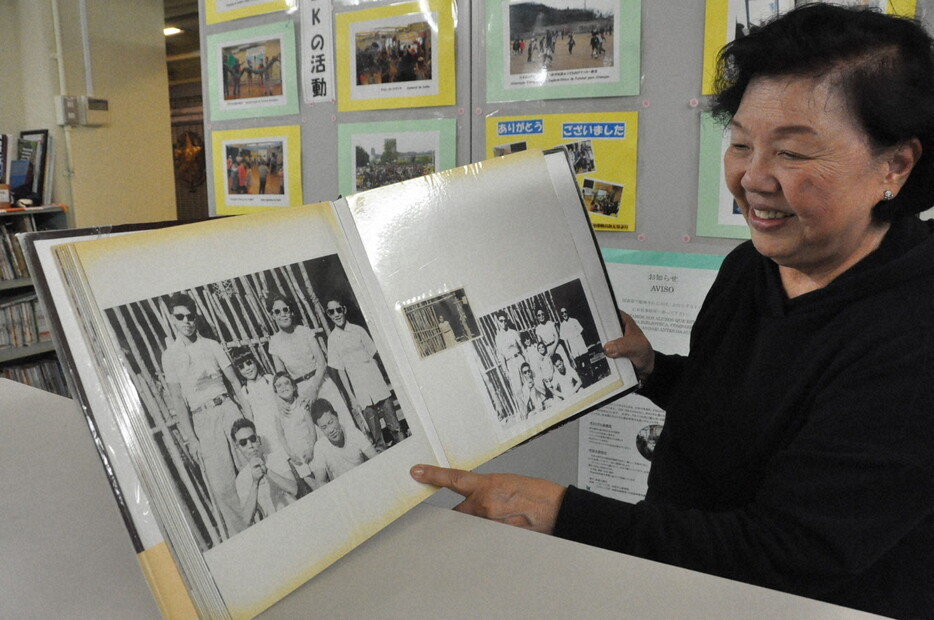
[(195, 370), (261, 490), (351, 351)]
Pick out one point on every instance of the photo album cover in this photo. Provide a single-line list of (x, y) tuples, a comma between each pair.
[(259, 386)]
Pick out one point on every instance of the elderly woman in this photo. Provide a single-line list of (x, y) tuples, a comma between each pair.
[(798, 448)]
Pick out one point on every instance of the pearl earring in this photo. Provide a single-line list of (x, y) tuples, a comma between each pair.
[(887, 195)]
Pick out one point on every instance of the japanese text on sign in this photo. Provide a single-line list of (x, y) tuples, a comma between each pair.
[(317, 55), (594, 130), (520, 128)]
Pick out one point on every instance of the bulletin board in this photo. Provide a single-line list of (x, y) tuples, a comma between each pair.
[(647, 62)]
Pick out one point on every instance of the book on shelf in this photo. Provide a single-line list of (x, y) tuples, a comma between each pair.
[(34, 147), (407, 321), (12, 262), (43, 374), (22, 321), (6, 156)]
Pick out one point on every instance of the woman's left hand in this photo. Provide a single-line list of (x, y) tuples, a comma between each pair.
[(529, 503)]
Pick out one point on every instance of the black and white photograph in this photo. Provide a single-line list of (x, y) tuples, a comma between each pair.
[(646, 439), (382, 159), (508, 149), (258, 390), (582, 156), (602, 197), (441, 322), (539, 353)]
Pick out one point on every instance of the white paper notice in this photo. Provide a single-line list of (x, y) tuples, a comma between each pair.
[(663, 292), (317, 52)]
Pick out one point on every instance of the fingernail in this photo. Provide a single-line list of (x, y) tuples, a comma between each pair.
[(417, 472), (610, 349)]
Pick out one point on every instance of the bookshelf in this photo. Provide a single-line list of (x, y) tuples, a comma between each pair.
[(27, 354)]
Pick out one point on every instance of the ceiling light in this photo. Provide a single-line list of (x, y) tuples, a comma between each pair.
[(171, 30)]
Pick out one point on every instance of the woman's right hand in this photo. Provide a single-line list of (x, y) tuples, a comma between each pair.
[(633, 345)]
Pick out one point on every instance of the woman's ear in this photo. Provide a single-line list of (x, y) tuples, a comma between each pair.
[(901, 162)]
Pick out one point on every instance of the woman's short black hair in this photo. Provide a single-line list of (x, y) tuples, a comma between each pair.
[(277, 296), (882, 64)]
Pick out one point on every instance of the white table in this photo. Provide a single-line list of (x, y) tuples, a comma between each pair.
[(65, 553)]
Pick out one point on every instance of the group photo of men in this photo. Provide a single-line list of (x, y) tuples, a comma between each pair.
[(538, 353), (258, 390)]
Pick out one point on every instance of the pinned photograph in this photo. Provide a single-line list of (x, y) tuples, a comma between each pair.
[(582, 157), (540, 353), (548, 49), (395, 56), (441, 322), (601, 197), (255, 167), (379, 153), (226, 10), (382, 159), (394, 53), (252, 72), (252, 69), (551, 36)]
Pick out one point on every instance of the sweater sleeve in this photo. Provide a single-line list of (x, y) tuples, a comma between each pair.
[(664, 377), (856, 483)]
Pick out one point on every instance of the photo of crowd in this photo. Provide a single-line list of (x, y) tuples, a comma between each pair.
[(381, 159), (258, 390), (601, 197), (252, 70), (441, 322), (255, 168), (538, 353), (391, 54), (550, 36)]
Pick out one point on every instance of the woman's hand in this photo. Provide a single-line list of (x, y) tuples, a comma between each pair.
[(529, 503), (633, 345)]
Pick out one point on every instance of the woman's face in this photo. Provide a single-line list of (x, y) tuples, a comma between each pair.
[(248, 369), (282, 313), (284, 388), (804, 176)]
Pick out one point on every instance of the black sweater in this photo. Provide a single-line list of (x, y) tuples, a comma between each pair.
[(798, 448)]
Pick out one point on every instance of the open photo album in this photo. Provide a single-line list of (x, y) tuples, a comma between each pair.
[(259, 386)]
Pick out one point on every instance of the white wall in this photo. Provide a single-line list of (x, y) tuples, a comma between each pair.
[(120, 173)]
